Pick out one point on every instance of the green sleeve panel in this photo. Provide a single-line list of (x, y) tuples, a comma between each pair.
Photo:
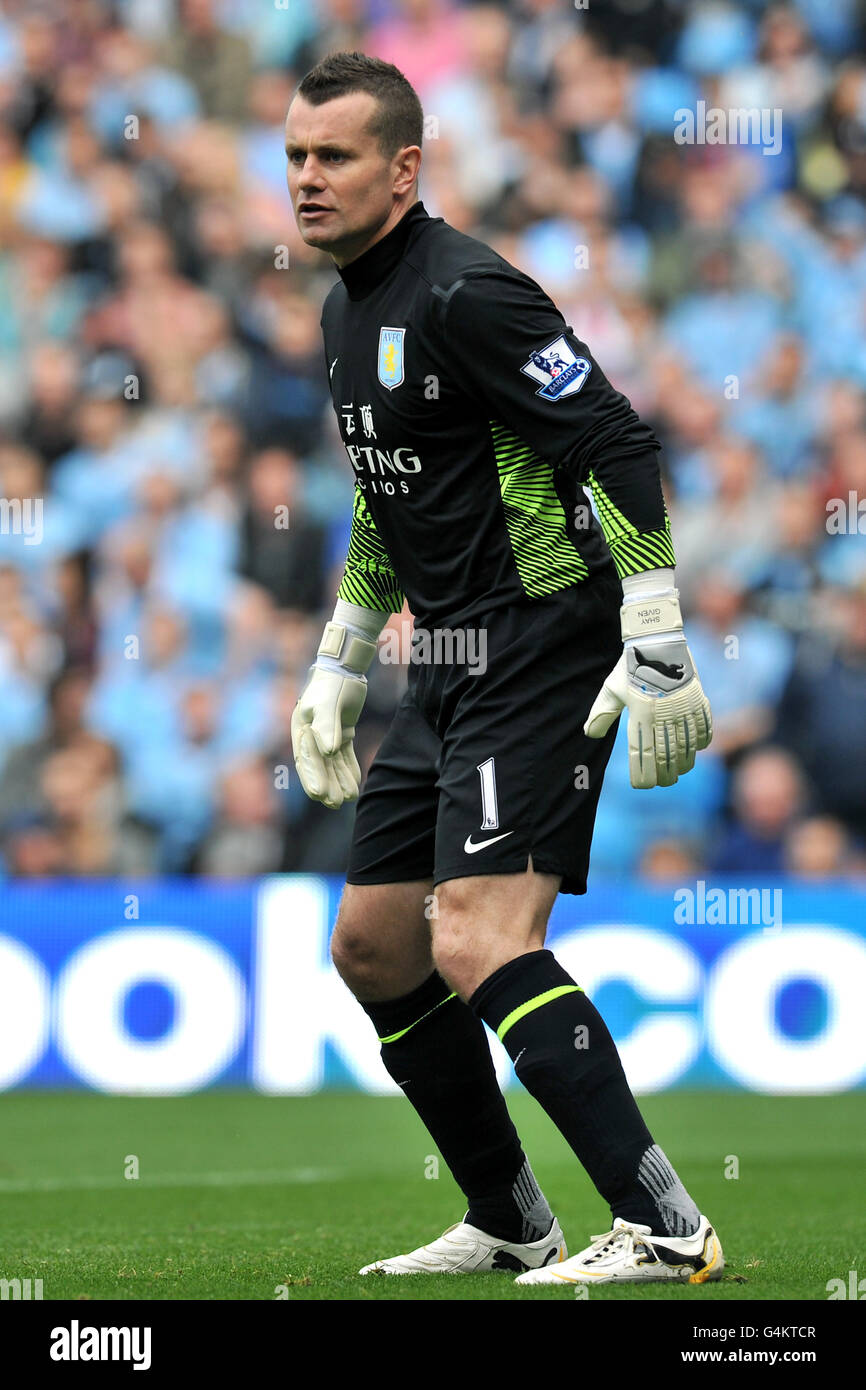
[(368, 580), (633, 550)]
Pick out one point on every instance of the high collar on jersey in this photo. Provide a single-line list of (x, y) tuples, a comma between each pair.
[(362, 275)]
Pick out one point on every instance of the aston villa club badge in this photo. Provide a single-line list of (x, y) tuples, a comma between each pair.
[(391, 373)]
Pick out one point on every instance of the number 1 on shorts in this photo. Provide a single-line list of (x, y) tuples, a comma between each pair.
[(489, 809)]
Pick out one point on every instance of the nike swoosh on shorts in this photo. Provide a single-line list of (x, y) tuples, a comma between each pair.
[(470, 848)]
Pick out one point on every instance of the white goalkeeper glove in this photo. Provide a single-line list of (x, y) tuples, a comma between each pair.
[(655, 679), (324, 719)]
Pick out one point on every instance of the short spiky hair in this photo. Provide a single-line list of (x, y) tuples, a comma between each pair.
[(399, 120)]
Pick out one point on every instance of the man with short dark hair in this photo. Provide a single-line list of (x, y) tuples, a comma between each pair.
[(473, 418)]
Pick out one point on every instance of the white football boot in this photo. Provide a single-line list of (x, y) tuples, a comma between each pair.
[(463, 1249), (631, 1254)]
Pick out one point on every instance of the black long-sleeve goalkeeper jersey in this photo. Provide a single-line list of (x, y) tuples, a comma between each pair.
[(473, 418)]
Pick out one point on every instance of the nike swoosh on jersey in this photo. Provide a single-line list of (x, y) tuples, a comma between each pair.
[(333, 365), (470, 848)]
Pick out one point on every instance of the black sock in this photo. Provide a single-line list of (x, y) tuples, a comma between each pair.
[(436, 1050), (566, 1058)]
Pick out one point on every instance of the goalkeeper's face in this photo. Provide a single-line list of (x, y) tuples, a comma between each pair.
[(346, 194)]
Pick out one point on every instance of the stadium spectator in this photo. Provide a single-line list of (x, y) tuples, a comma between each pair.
[(281, 549), (821, 714), (724, 635), (669, 861), (21, 792), (768, 796), (47, 426), (821, 848), (86, 803), (217, 63), (245, 838)]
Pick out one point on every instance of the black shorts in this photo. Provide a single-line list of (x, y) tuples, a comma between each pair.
[(486, 762)]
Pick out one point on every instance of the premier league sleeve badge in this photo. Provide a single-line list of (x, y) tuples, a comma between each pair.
[(560, 372)]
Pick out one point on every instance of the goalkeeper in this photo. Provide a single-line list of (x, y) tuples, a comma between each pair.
[(474, 420)]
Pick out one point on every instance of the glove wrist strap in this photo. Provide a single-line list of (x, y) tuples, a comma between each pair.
[(345, 648), (643, 614)]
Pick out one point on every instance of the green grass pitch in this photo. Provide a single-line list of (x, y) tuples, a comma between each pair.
[(239, 1194)]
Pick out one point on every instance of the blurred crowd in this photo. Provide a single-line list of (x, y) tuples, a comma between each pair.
[(163, 397)]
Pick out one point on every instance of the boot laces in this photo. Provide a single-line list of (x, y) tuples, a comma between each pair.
[(624, 1240)]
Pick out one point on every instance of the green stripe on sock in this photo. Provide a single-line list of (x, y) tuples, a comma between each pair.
[(404, 1031), (523, 1009)]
